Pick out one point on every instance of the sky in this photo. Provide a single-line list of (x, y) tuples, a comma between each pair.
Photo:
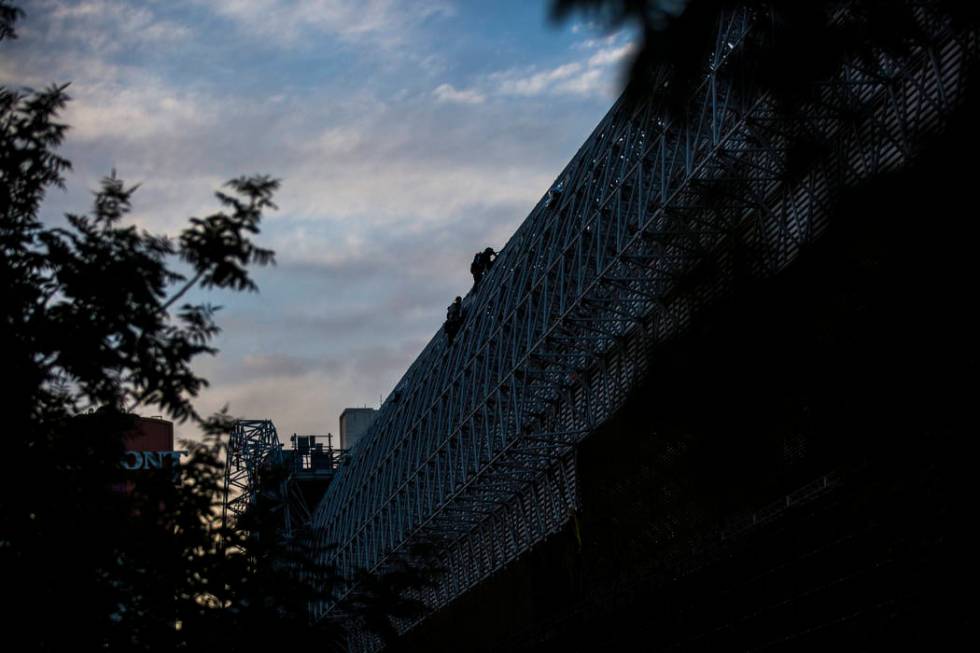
[(408, 135)]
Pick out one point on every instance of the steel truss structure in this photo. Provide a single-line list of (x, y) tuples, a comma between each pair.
[(254, 448), (475, 450)]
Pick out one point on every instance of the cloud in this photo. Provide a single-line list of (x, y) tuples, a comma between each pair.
[(137, 111), (384, 22), (608, 56), (276, 365), (509, 84), (591, 44), (309, 398), (592, 76), (446, 93), (391, 180), (104, 26), (590, 82)]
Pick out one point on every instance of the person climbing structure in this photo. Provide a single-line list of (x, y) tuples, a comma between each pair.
[(489, 256), (454, 320), (482, 261), (476, 268)]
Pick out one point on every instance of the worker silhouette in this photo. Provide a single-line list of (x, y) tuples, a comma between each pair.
[(476, 268), (454, 320), (482, 261)]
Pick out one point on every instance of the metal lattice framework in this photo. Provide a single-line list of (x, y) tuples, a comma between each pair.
[(475, 449), (254, 446)]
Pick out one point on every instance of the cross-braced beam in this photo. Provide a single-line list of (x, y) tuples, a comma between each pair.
[(254, 448), (475, 449)]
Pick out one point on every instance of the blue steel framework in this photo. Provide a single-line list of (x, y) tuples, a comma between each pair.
[(475, 449)]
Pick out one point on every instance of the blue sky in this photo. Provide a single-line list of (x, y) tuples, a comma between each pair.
[(408, 134)]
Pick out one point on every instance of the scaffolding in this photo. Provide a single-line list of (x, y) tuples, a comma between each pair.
[(299, 475), (477, 453)]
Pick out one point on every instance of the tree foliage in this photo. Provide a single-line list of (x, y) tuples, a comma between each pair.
[(8, 16), (95, 325)]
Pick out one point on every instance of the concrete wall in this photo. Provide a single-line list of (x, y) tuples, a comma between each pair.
[(354, 423)]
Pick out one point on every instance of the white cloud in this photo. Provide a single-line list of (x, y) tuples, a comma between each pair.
[(590, 82), (106, 26), (594, 76), (137, 112), (335, 141), (385, 22), (536, 83), (446, 93), (609, 56)]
